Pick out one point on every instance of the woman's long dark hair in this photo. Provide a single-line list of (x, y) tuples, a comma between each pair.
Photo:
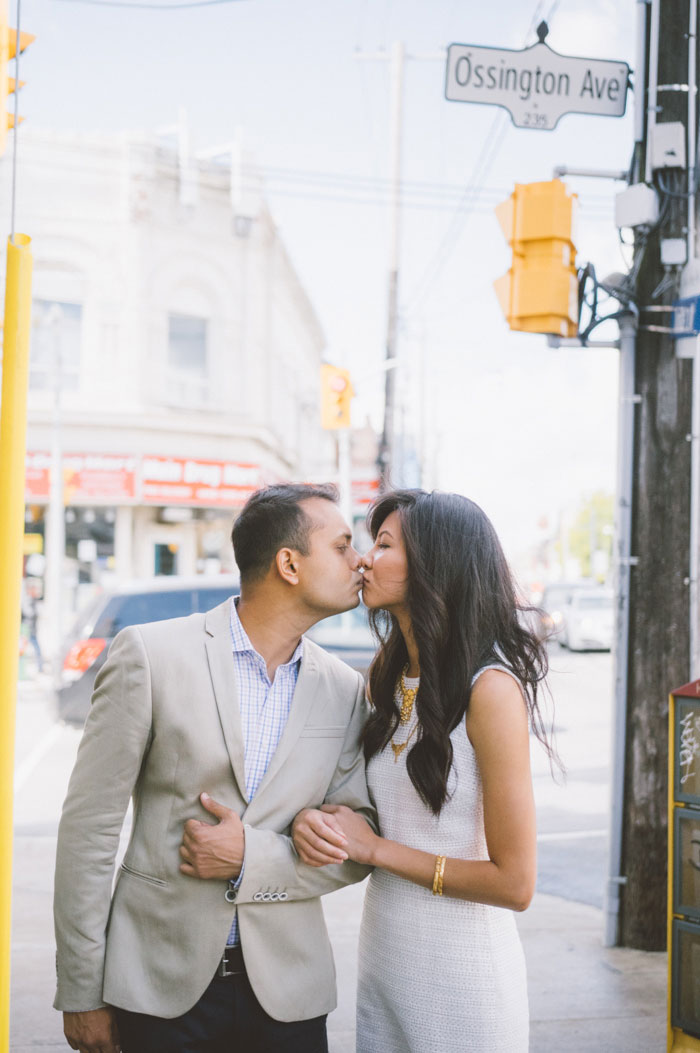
[(464, 613)]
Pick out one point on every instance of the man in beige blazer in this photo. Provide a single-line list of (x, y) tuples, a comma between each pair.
[(213, 938)]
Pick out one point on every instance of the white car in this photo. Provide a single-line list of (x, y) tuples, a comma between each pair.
[(588, 620)]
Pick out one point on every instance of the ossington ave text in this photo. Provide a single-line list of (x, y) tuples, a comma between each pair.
[(529, 82)]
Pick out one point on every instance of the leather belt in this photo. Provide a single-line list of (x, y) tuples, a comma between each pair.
[(232, 963)]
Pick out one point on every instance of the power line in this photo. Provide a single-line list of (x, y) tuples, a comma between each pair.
[(465, 208), (152, 7)]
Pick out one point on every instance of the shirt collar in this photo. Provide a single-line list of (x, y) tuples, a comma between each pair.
[(241, 641)]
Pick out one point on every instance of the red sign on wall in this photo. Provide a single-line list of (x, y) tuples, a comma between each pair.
[(186, 481), (364, 491), (37, 479), (86, 476)]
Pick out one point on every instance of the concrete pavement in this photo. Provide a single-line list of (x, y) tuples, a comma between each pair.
[(583, 998)]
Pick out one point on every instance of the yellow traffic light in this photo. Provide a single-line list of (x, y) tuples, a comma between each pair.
[(336, 396), (8, 51), (539, 294)]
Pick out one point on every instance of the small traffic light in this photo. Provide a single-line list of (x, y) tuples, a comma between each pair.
[(8, 51), (539, 294), (336, 396)]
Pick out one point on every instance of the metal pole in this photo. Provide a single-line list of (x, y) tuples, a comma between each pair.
[(386, 448), (344, 479), (13, 445), (640, 70), (694, 562), (55, 527), (624, 561), (694, 568), (653, 82)]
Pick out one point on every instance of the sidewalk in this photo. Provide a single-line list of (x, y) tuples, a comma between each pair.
[(583, 998)]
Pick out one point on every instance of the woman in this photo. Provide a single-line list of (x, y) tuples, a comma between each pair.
[(454, 690)]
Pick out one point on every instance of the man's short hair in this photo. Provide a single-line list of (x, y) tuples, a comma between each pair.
[(272, 518)]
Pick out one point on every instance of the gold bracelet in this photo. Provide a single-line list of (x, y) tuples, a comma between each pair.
[(442, 874), (439, 874)]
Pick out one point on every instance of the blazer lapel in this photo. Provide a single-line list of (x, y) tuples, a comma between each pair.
[(304, 694), (221, 669)]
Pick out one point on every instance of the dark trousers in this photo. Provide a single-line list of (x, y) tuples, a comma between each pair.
[(227, 1019)]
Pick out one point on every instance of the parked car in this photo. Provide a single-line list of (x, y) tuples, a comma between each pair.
[(589, 620), (132, 603), (554, 600), (348, 636)]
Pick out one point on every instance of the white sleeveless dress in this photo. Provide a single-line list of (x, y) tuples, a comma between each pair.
[(436, 975)]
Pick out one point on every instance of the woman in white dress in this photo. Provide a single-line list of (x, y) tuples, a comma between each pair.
[(454, 692)]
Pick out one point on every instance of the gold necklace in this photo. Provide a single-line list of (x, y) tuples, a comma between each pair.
[(399, 747), (408, 698)]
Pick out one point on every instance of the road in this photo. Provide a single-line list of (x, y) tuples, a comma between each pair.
[(572, 833)]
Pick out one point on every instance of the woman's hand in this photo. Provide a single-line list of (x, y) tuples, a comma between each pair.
[(318, 838), (360, 839)]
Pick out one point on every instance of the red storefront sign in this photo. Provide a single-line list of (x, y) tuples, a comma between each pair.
[(86, 477), (364, 491), (188, 481), (37, 480)]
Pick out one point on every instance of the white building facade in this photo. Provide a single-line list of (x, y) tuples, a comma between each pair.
[(175, 356)]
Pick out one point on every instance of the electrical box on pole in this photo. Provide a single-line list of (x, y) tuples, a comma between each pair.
[(336, 396), (539, 294)]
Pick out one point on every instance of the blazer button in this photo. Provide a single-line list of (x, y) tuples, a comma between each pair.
[(258, 896), (274, 897), (230, 895), (267, 897), (283, 895)]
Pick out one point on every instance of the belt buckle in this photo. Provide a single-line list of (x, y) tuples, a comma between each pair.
[(223, 970)]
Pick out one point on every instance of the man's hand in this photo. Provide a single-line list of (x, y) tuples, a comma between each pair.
[(318, 838), (92, 1032), (213, 851)]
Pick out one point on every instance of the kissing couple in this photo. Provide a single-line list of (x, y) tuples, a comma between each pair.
[(264, 774)]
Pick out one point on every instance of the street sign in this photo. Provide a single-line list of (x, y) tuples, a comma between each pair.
[(536, 85), (686, 317)]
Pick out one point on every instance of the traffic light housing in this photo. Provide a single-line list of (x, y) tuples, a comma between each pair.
[(8, 51), (336, 396), (539, 294)]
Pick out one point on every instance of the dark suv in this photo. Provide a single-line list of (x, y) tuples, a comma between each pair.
[(132, 603)]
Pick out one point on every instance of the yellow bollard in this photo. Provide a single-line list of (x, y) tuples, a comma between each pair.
[(13, 441)]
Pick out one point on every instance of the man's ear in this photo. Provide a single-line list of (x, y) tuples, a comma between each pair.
[(287, 562)]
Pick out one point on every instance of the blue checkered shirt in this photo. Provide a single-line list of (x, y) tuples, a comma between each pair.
[(264, 710)]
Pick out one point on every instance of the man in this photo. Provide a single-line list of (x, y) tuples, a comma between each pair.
[(222, 727)]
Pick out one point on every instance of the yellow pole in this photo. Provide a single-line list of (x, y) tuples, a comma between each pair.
[(13, 441)]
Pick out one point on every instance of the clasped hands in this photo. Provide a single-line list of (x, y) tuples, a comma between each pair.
[(213, 850), (332, 834)]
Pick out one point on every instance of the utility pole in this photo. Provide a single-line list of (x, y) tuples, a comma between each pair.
[(659, 624), (397, 57), (385, 458)]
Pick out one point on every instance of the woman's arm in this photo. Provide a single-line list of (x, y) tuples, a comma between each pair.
[(497, 726)]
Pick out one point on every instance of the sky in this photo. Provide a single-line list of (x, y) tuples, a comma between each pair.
[(525, 430)]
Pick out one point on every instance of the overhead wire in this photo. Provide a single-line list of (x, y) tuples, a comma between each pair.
[(465, 207), (329, 188), (150, 6)]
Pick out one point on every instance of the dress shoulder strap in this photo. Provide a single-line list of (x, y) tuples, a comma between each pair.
[(496, 665)]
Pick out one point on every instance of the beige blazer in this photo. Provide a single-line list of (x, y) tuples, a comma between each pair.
[(165, 725)]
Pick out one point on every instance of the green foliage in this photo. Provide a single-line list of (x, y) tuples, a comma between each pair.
[(592, 531)]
